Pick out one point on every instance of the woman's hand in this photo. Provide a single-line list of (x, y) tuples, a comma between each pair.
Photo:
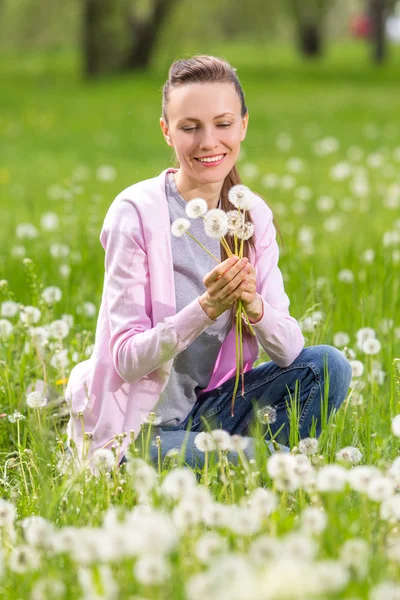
[(251, 301)]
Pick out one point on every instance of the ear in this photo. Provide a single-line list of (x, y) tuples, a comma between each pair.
[(165, 130), (245, 122)]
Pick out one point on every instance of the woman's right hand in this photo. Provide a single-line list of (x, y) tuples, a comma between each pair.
[(225, 284)]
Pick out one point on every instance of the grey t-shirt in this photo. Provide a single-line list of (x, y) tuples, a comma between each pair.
[(191, 369)]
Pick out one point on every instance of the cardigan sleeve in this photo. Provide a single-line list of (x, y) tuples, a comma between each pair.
[(138, 348), (278, 333)]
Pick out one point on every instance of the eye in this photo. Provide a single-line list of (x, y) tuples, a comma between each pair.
[(194, 128)]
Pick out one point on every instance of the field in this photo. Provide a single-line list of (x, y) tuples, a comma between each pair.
[(323, 149)]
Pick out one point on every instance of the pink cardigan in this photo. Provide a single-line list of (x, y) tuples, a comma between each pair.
[(138, 331)]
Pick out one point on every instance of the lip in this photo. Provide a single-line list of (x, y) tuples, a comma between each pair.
[(213, 164)]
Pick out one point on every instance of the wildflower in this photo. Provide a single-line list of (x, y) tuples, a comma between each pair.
[(196, 208), (38, 531), (216, 223), (180, 226), (65, 271), (360, 477), (7, 513), (47, 588), (239, 442), (313, 520), (58, 329), (264, 549), (244, 521), (357, 368), (236, 221), (380, 488), (396, 425), (103, 459), (106, 173), (331, 478), (386, 590), (8, 309), (346, 276), (216, 515), (30, 315), (204, 441), (60, 360), (390, 509), (246, 232), (49, 221), (89, 309), (59, 250), (371, 346), (152, 570), (349, 454), (298, 544), (341, 339), (15, 416), (102, 581), (52, 294), (308, 446), (24, 558), (267, 415), (354, 554), (177, 482), (241, 197), (222, 439), (26, 231), (185, 515), (5, 329), (144, 477), (209, 545), (263, 501), (36, 400)]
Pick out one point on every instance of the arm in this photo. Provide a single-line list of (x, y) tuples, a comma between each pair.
[(137, 348), (278, 333)]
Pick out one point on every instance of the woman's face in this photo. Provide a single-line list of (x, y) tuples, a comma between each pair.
[(198, 129)]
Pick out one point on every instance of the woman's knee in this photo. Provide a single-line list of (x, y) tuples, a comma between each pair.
[(338, 368)]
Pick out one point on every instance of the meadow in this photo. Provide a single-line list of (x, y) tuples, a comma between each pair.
[(323, 149)]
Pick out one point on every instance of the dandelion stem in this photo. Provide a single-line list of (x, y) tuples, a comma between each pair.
[(200, 244)]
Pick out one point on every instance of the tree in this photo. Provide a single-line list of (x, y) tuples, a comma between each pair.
[(310, 16), (116, 37)]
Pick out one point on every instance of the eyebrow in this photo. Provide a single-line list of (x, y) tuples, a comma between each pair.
[(198, 120)]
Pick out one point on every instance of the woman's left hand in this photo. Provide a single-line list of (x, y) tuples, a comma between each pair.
[(249, 296)]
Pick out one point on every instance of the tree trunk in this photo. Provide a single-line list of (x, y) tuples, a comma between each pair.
[(377, 13), (95, 37), (310, 40), (309, 17)]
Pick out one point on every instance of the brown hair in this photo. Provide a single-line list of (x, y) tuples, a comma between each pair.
[(202, 68)]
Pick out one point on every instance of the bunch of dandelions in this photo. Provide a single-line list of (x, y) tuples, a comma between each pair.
[(218, 224)]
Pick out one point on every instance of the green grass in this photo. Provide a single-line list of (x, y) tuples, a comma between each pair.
[(52, 123)]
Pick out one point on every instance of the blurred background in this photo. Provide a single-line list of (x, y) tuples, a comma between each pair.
[(80, 104)]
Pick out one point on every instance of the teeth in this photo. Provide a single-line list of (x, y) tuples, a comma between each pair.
[(215, 159)]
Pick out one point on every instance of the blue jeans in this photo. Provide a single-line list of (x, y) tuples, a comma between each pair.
[(265, 385)]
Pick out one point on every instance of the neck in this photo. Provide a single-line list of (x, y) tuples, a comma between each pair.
[(190, 189)]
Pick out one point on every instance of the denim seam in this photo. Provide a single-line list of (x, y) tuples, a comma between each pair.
[(311, 365)]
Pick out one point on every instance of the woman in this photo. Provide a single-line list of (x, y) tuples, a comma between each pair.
[(165, 340)]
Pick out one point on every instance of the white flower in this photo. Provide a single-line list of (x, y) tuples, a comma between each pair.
[(8, 309), (263, 501), (216, 515), (177, 482), (180, 226), (386, 590), (48, 588), (7, 513), (216, 223), (359, 477), (30, 315), (152, 569), (236, 221), (346, 276), (69, 319), (89, 309), (244, 521), (354, 554), (60, 360), (5, 328), (196, 208), (52, 294), (241, 197), (186, 515), (308, 446), (38, 531), (24, 558), (380, 488), (313, 519), (18, 251), (357, 368), (264, 549), (209, 545), (331, 478), (58, 329), (106, 173), (36, 400), (239, 442), (349, 454), (103, 459), (341, 339), (396, 425), (266, 415), (65, 271), (390, 509), (98, 586), (59, 250), (297, 544), (26, 231), (222, 439), (371, 346), (144, 477), (204, 442), (49, 221), (246, 232)]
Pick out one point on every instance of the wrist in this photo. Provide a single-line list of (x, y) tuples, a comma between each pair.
[(255, 312), (207, 307)]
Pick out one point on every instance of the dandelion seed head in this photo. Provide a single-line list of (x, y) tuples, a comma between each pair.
[(180, 226), (196, 208)]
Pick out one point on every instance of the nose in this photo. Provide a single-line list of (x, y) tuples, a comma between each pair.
[(208, 140)]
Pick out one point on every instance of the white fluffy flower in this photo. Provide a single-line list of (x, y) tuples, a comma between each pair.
[(5, 328), (308, 446), (36, 400), (390, 509), (30, 315), (313, 520), (8, 309), (357, 368), (396, 425), (380, 488), (387, 590), (38, 531), (360, 477), (331, 478), (103, 459), (180, 226), (204, 442), (60, 360), (48, 588), (7, 513), (241, 197), (263, 501), (152, 569), (371, 346), (340, 339), (246, 232), (354, 554), (52, 294), (177, 482), (106, 173), (222, 439), (236, 220), (24, 558), (49, 221), (26, 231), (209, 545), (196, 208), (58, 329), (349, 454), (216, 223)]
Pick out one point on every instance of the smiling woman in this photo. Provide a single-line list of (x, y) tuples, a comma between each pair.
[(165, 340)]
